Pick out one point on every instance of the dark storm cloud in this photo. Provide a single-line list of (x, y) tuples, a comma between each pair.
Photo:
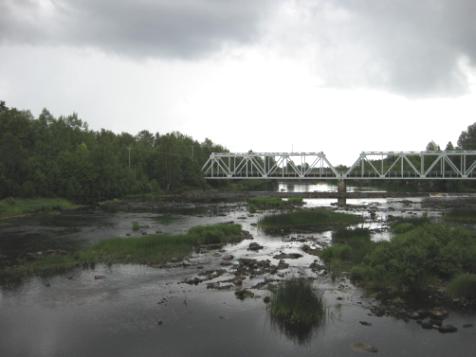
[(177, 28), (412, 47)]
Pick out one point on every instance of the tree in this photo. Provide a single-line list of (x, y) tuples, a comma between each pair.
[(432, 146), (50, 156), (449, 146), (467, 139)]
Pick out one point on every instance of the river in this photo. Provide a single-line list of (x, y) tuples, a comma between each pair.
[(131, 310)]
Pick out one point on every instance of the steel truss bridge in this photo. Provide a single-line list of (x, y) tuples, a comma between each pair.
[(370, 165)]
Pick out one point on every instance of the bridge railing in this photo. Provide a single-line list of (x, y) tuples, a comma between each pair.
[(372, 165)]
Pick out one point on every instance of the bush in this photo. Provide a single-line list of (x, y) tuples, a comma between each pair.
[(349, 248), (463, 286), (411, 263), (336, 252), (400, 225)]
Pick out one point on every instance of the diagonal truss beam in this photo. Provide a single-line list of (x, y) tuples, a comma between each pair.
[(370, 165)]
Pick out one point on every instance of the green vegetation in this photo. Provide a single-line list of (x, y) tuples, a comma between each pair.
[(135, 226), (349, 248), (266, 202), (402, 225), (296, 309), (10, 207), (412, 263), (307, 220), (62, 157), (150, 250), (461, 215), (463, 286), (44, 266)]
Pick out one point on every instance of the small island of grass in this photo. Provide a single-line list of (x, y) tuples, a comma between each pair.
[(296, 309), (11, 207), (149, 250), (307, 220)]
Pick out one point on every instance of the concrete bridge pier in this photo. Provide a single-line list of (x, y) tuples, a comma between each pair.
[(341, 193)]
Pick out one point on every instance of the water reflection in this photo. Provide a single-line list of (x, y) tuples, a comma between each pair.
[(317, 187), (297, 310)]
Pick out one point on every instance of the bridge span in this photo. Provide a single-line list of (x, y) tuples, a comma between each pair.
[(370, 165)]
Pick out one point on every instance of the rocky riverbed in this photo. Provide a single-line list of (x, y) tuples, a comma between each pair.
[(216, 301)]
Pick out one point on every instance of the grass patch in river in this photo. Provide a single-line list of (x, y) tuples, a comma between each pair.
[(135, 226), (10, 207), (307, 220), (150, 250), (269, 202), (296, 309)]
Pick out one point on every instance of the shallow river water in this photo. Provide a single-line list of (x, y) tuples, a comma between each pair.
[(129, 310)]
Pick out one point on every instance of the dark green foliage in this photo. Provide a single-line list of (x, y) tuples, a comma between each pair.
[(467, 139), (307, 220), (463, 286), (350, 246), (421, 257), (266, 202), (401, 225), (414, 261), (296, 309), (61, 157)]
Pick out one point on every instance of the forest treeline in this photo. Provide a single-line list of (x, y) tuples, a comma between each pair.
[(48, 156), (62, 157)]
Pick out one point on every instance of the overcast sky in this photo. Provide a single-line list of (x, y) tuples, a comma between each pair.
[(340, 76)]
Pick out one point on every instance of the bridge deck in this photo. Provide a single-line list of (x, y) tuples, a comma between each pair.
[(371, 165)]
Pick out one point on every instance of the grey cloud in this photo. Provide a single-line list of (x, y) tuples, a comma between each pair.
[(178, 28), (410, 47)]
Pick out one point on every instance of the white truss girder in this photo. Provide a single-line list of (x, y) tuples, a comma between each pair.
[(370, 165)]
